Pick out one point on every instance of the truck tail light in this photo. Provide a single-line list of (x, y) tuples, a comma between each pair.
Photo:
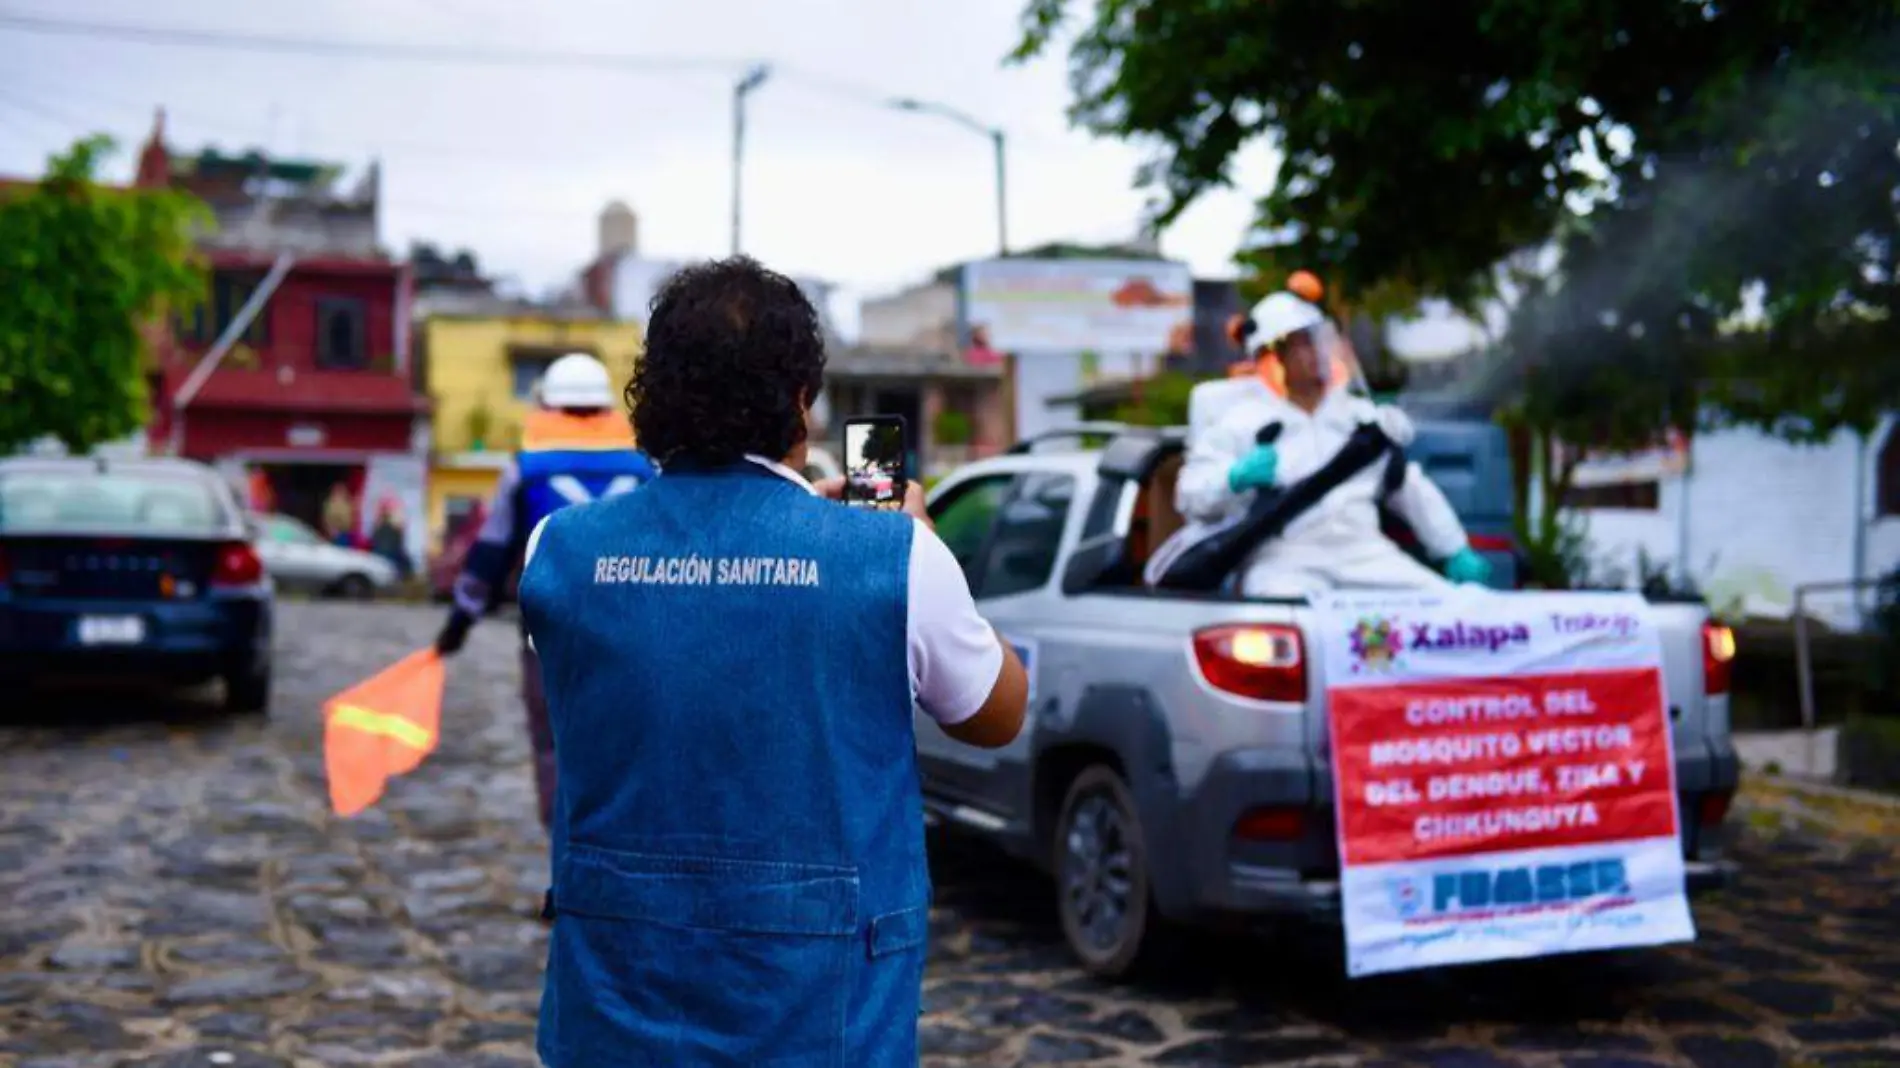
[(1263, 661), (1271, 825), (237, 565), (1493, 543), (1713, 808), (1718, 653)]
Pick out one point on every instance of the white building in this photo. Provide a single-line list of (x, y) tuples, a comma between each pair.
[(1754, 518)]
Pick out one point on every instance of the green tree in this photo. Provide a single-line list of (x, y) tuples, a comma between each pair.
[(85, 272), (1161, 400), (1717, 181)]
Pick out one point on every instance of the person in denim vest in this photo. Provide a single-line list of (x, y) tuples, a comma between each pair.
[(730, 662)]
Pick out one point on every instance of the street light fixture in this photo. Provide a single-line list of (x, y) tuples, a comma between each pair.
[(752, 80), (995, 134)]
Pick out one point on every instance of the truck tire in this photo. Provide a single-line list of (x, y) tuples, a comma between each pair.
[(1101, 869)]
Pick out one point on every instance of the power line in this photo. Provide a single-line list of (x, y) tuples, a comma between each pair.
[(312, 46), (56, 116)]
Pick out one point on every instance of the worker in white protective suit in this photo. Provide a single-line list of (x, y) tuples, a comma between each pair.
[(1337, 543)]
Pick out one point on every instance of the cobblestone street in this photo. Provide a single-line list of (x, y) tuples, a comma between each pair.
[(174, 892)]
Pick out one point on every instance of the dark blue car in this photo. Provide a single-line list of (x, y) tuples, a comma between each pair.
[(131, 569)]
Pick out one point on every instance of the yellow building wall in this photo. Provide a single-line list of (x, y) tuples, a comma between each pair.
[(469, 369), (447, 482)]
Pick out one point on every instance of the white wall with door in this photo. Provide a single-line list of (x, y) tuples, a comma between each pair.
[(1754, 518)]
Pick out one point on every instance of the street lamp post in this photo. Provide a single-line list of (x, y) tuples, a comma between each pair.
[(995, 134), (752, 80)]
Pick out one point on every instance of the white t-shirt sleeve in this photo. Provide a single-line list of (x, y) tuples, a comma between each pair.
[(955, 657), (534, 539)]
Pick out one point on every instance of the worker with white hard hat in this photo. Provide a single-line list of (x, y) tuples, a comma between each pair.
[(1300, 384), (575, 448)]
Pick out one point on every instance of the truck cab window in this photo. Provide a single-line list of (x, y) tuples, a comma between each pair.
[(1022, 556), (965, 516)]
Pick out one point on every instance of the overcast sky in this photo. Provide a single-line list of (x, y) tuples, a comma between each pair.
[(516, 162)]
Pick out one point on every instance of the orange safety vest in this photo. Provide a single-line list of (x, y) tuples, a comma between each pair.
[(547, 430)]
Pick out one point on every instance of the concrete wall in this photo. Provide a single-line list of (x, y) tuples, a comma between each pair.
[(922, 317), (1762, 517)]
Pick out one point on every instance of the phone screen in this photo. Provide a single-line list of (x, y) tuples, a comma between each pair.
[(875, 449)]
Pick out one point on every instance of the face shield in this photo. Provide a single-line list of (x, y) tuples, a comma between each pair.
[(1318, 352)]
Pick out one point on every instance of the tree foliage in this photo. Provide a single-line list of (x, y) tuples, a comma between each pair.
[(85, 270), (884, 445), (1717, 181)]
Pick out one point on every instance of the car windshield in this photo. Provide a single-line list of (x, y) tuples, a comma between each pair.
[(288, 531), (80, 500)]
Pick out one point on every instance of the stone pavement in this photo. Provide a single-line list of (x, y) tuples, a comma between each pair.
[(174, 893)]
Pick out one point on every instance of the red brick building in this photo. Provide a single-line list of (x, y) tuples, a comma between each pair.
[(317, 388)]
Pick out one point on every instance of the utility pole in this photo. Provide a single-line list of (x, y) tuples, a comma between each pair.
[(752, 80), (1002, 197), (997, 138)]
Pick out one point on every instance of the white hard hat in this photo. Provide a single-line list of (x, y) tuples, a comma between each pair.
[(576, 380), (1278, 316)]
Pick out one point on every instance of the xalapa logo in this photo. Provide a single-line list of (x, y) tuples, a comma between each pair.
[(1376, 644)]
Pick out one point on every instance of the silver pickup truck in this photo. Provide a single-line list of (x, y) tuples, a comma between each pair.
[(1155, 786)]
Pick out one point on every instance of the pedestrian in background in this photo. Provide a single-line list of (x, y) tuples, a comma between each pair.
[(339, 516), (731, 662), (390, 538), (574, 448)]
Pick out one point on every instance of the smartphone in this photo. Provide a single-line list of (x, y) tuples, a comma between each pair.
[(876, 462)]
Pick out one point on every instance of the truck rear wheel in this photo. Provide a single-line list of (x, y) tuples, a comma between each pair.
[(1101, 870)]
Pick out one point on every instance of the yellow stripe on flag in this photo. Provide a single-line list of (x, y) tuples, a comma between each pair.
[(395, 728)]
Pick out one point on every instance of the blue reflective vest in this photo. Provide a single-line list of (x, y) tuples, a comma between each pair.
[(568, 459), (552, 479), (737, 844)]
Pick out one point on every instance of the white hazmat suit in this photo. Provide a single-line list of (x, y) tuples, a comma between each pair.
[(1337, 543)]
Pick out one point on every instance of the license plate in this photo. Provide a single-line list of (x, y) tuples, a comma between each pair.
[(111, 630)]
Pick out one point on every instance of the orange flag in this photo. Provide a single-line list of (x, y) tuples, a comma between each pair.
[(380, 728)]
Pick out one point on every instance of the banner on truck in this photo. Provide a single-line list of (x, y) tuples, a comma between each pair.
[(1503, 775), (1107, 307)]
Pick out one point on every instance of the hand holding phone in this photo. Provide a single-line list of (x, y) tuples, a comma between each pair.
[(876, 462)]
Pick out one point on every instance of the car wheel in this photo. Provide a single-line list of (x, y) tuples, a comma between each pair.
[(1101, 869), (248, 692), (355, 587)]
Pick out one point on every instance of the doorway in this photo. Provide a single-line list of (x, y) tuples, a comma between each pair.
[(302, 489)]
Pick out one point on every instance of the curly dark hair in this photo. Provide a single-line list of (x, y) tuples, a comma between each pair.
[(734, 354)]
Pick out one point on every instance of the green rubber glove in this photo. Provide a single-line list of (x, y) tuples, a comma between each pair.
[(1468, 568), (1254, 470)]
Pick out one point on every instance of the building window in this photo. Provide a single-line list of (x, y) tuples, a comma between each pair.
[(528, 371), (342, 334), (230, 291), (1887, 475), (529, 362), (1625, 496)]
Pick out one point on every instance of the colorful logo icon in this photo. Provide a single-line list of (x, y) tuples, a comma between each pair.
[(1408, 896), (1376, 644)]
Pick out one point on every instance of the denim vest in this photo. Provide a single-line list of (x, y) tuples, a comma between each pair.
[(737, 844), (552, 479)]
